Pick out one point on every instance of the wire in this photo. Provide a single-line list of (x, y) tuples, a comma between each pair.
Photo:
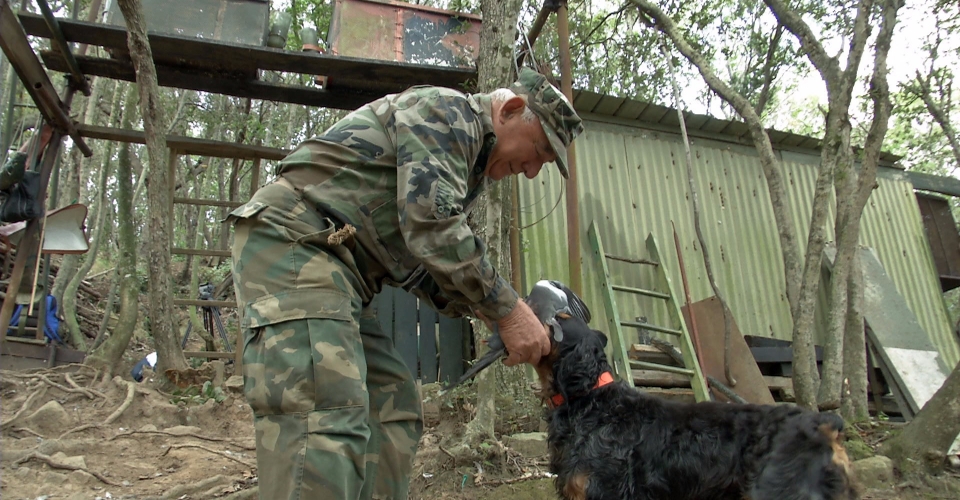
[(555, 205)]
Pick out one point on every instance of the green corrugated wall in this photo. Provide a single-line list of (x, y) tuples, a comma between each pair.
[(632, 182)]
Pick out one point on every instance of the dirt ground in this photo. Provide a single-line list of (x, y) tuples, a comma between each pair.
[(68, 435)]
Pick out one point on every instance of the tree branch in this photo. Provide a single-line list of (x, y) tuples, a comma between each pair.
[(922, 88), (824, 63), (653, 16)]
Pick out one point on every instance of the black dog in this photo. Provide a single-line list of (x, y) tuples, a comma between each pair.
[(609, 441)]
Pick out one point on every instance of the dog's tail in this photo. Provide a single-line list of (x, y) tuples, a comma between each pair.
[(808, 462)]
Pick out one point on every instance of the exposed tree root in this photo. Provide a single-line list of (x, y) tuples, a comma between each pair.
[(78, 429), (185, 434), (89, 392), (26, 405), (222, 454), (131, 389), (57, 465), (29, 431), (184, 490), (526, 477), (243, 494)]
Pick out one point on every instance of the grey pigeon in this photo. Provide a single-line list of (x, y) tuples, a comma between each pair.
[(547, 299)]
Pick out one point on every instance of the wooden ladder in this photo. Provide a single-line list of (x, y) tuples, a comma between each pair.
[(622, 364)]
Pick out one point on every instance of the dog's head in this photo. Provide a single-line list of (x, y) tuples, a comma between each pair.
[(575, 363)]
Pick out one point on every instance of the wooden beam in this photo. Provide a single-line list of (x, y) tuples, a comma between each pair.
[(14, 346), (17, 48), (217, 56), (936, 183), (227, 84), (187, 145)]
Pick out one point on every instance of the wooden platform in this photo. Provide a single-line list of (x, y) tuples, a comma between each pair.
[(239, 70)]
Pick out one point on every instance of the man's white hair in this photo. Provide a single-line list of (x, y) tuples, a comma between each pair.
[(503, 95)]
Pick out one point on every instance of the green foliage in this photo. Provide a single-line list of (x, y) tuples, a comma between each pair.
[(198, 395)]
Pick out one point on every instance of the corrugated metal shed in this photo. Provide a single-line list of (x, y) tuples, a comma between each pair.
[(632, 181)]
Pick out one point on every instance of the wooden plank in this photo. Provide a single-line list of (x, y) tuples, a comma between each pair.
[(452, 332), (781, 385), (228, 84), (187, 145), (750, 382), (428, 344), (936, 183), (216, 56), (64, 355), (650, 354), (779, 354), (405, 336), (654, 378)]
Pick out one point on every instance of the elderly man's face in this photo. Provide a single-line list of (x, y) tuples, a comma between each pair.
[(522, 147)]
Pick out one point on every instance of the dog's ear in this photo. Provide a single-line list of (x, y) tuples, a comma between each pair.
[(578, 368), (603, 337)]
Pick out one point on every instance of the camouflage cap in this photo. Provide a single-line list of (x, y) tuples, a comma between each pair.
[(560, 122)]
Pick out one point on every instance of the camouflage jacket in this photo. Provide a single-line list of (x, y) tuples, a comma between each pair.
[(405, 170)]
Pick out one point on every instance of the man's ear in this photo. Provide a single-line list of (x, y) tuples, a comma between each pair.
[(512, 106)]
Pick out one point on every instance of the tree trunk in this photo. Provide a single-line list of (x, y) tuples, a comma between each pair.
[(196, 324), (927, 438), (110, 353), (99, 220), (170, 355), (495, 70), (70, 192), (854, 398), (853, 191)]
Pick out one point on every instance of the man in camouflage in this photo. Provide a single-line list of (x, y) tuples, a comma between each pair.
[(380, 198)]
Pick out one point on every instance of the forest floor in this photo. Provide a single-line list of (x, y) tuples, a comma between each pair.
[(57, 444)]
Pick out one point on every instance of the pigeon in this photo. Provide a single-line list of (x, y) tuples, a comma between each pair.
[(547, 299)]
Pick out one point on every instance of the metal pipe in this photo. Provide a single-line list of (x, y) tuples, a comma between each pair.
[(60, 42), (573, 206)]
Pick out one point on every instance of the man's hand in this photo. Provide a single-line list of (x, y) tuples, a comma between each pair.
[(525, 338)]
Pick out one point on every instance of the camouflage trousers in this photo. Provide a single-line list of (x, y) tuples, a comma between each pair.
[(336, 411)]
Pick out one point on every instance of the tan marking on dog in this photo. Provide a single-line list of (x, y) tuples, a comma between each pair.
[(576, 487), (544, 371), (842, 460), (840, 457)]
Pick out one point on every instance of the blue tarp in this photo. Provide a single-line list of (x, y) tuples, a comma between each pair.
[(51, 323)]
